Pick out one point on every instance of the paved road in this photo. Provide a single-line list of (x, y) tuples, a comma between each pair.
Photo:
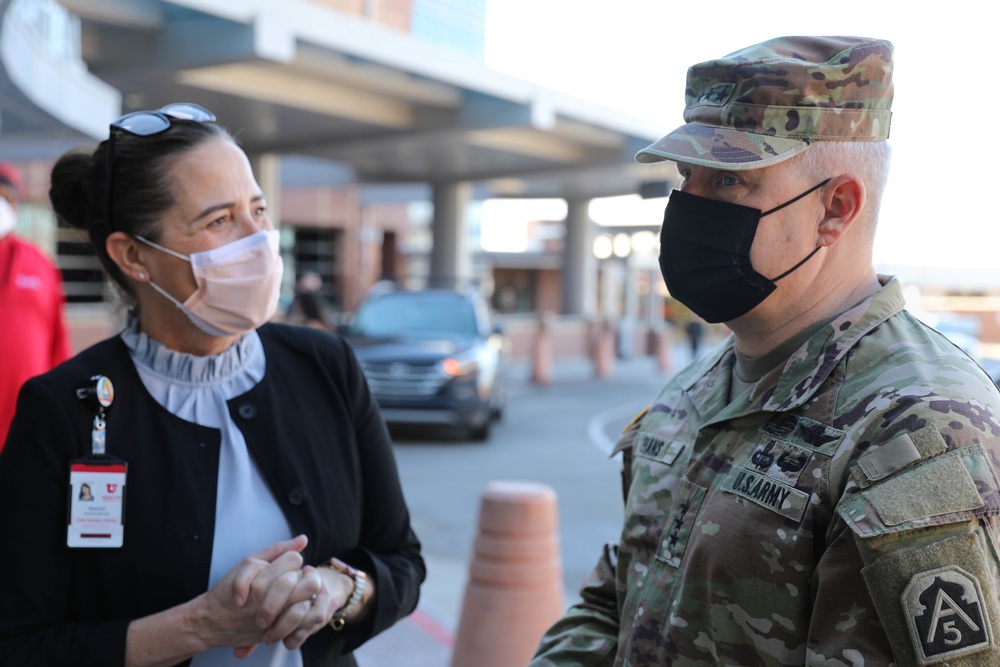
[(559, 435)]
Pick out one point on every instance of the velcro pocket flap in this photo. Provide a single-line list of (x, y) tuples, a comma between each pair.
[(901, 451), (941, 486), (938, 491)]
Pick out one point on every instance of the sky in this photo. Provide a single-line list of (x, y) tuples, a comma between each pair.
[(632, 55)]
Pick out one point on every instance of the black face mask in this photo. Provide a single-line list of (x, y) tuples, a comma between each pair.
[(705, 255)]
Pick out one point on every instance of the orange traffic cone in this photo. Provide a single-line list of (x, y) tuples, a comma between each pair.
[(515, 587)]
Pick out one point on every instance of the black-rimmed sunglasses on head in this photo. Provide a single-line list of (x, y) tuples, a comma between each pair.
[(147, 124)]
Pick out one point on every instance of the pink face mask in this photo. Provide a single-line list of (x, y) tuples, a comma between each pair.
[(238, 284)]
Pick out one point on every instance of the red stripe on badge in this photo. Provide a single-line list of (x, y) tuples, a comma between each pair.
[(83, 467)]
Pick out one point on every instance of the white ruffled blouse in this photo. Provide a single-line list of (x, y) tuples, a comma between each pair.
[(247, 517)]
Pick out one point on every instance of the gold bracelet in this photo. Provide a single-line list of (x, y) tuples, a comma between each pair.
[(359, 579)]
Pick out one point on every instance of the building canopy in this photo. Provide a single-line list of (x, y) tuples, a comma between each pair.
[(297, 77)]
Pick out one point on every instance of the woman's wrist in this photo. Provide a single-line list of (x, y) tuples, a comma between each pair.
[(166, 638), (194, 621), (350, 606), (350, 590)]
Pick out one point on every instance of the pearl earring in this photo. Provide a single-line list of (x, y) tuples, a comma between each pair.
[(142, 276)]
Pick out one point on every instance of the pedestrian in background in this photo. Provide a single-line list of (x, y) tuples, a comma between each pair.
[(695, 331), (265, 515), (307, 304), (33, 335), (821, 489)]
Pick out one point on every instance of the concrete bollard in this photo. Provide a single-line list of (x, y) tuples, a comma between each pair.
[(665, 350), (604, 349), (515, 587), (541, 366)]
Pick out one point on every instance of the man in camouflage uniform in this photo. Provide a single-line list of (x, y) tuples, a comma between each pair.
[(822, 489)]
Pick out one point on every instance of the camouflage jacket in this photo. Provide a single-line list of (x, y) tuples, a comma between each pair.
[(842, 511)]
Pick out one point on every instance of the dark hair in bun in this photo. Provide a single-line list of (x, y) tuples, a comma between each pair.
[(141, 188)]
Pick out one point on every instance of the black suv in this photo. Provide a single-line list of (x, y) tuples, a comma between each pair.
[(432, 357)]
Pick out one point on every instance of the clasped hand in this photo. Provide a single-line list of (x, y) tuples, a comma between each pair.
[(268, 597)]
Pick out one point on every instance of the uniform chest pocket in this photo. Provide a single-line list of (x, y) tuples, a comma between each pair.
[(680, 521)]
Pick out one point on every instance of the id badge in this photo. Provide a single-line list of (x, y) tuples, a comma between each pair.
[(96, 503)]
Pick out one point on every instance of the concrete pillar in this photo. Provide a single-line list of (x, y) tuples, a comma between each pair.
[(630, 318), (654, 305), (450, 257), (267, 170), (579, 272), (612, 289)]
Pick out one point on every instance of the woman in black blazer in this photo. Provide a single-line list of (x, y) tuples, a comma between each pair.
[(246, 498)]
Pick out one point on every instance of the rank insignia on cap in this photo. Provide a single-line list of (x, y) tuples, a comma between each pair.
[(945, 614)]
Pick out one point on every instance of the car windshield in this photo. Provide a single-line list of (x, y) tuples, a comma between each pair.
[(412, 314)]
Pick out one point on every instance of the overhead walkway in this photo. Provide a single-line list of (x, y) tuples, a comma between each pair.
[(46, 93)]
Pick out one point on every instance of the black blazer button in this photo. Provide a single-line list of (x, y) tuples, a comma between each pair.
[(247, 410), (297, 495)]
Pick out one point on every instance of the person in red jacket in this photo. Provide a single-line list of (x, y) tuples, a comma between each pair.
[(33, 335)]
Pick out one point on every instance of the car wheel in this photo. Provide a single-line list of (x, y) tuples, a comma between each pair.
[(496, 412), (480, 433), (499, 403)]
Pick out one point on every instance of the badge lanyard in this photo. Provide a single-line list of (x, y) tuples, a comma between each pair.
[(96, 516)]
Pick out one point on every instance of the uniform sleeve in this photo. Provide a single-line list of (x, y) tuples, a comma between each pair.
[(588, 633), (923, 514), (35, 567)]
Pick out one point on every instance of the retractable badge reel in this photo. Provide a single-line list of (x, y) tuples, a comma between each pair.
[(97, 481)]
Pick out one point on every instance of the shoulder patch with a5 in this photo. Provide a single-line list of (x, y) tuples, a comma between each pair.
[(938, 601), (944, 611)]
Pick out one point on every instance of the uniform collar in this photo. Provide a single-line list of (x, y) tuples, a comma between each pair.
[(707, 382)]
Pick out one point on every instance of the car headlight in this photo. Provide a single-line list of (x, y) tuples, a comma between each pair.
[(459, 366)]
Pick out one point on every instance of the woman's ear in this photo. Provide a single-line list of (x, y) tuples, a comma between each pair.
[(124, 252), (843, 198)]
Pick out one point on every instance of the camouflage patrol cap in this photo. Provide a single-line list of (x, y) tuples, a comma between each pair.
[(767, 102)]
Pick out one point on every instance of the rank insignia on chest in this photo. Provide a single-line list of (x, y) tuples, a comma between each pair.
[(798, 430), (779, 460), (944, 611)]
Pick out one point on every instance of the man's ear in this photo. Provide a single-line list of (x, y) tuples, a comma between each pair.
[(124, 251), (844, 198)]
